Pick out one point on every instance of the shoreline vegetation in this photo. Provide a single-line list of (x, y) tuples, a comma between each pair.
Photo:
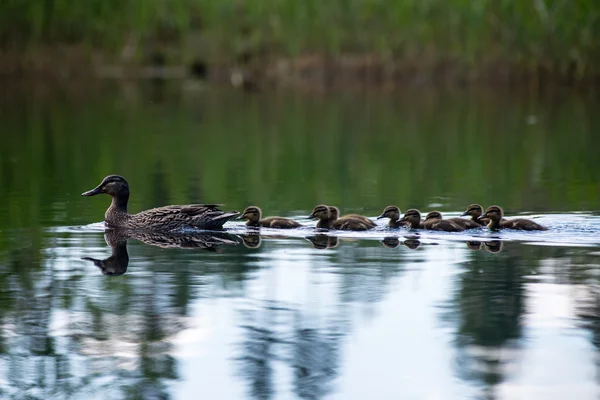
[(292, 43)]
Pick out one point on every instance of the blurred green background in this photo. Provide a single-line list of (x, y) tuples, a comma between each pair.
[(503, 40)]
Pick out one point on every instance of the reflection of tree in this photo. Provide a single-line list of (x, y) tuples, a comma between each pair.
[(491, 303)]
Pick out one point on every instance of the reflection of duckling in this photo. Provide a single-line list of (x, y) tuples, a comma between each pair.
[(495, 214), (322, 242), (495, 246), (391, 242), (254, 216), (413, 217), (412, 243), (474, 245), (393, 213), (434, 222), (252, 240)]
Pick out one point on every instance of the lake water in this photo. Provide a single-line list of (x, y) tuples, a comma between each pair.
[(298, 314)]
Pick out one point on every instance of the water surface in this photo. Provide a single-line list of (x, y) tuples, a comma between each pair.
[(299, 314)]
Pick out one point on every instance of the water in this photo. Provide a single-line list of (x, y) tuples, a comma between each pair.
[(295, 314)]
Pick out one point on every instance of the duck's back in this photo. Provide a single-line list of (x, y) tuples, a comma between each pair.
[(367, 221), (350, 223), (443, 225), (200, 216), (279, 223), (522, 224), (465, 223)]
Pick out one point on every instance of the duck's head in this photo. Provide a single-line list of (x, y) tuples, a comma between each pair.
[(114, 185), (334, 212), (251, 213), (433, 215), (320, 212), (413, 216), (391, 212), (495, 213), (474, 210)]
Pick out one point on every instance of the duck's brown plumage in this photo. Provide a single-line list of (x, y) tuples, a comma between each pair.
[(329, 218), (475, 211), (349, 222), (413, 218), (254, 216), (495, 215), (393, 213), (435, 222), (200, 216)]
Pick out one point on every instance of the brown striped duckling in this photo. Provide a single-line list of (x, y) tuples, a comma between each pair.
[(349, 222), (434, 222), (495, 214), (393, 213), (322, 213), (168, 218), (254, 216), (475, 211), (413, 218)]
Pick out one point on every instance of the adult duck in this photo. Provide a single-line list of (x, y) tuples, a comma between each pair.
[(168, 218)]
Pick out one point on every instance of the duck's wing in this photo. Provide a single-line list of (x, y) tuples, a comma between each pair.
[(205, 216), (279, 223), (523, 224)]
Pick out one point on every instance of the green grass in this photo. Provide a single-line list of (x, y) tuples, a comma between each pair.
[(556, 36)]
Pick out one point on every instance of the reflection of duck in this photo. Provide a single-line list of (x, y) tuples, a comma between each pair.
[(434, 222), (117, 263), (254, 216), (495, 214), (168, 218), (495, 246), (472, 245), (393, 213), (252, 241), (322, 242), (412, 243)]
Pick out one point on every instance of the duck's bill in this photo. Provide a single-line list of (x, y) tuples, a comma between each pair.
[(311, 216), (241, 216), (484, 215), (381, 216), (464, 214), (403, 219), (92, 192)]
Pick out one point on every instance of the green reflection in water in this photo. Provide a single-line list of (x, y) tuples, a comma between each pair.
[(288, 152)]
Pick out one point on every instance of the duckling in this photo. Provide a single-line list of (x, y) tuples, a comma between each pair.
[(434, 222), (168, 218), (349, 222), (322, 213), (254, 216), (393, 213), (475, 211), (413, 218), (495, 214)]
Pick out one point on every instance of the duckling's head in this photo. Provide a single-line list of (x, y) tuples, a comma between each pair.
[(495, 213), (320, 212), (391, 212), (251, 213), (474, 210), (433, 215), (413, 216), (114, 185), (334, 212)]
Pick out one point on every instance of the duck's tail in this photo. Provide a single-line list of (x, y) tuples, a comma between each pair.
[(220, 220)]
